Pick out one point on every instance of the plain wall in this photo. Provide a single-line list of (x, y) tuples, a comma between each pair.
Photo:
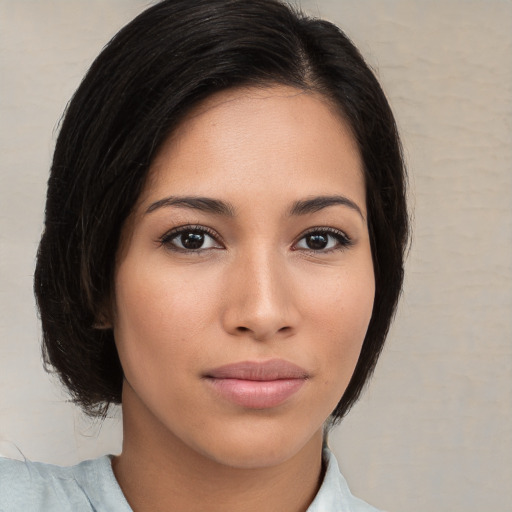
[(434, 429)]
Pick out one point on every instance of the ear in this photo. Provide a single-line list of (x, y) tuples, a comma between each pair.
[(102, 323), (103, 317), (102, 326)]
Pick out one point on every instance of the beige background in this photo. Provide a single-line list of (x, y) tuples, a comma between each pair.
[(434, 430)]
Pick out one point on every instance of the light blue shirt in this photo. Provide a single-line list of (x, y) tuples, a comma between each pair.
[(92, 487)]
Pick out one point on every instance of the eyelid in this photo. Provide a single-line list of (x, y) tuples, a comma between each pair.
[(344, 241), (166, 238)]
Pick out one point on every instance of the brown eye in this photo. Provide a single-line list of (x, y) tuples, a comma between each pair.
[(192, 240), (324, 240), (317, 241)]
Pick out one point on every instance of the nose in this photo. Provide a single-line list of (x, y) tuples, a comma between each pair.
[(260, 300)]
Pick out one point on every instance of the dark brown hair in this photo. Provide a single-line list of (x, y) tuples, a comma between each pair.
[(148, 77)]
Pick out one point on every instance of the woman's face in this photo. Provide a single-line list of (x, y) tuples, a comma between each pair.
[(244, 282)]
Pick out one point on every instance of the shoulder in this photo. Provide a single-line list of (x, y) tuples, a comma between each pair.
[(31, 486), (34, 486), (26, 485), (334, 494)]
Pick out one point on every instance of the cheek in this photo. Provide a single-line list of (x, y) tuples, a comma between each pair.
[(345, 301), (159, 316), (342, 309)]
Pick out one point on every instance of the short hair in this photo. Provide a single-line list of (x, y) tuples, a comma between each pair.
[(137, 91)]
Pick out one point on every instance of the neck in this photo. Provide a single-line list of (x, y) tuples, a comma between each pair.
[(158, 472)]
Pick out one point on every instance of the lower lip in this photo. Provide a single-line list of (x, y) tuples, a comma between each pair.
[(256, 394)]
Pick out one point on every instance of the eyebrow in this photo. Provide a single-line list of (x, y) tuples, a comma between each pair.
[(320, 202), (218, 207), (204, 204)]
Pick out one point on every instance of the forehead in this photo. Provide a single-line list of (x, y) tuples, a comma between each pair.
[(261, 140)]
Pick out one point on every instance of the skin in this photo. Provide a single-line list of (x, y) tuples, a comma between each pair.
[(255, 291)]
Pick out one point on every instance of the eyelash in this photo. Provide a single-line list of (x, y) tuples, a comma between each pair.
[(167, 238), (343, 241)]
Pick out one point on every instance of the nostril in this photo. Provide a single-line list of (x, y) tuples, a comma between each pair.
[(241, 329)]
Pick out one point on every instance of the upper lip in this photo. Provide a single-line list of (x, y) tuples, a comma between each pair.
[(273, 369)]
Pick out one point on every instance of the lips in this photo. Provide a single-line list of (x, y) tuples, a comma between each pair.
[(257, 385)]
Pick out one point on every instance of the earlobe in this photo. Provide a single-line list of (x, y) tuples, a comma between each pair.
[(102, 323), (102, 326), (103, 319)]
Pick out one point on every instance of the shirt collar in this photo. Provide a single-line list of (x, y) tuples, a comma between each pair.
[(334, 494)]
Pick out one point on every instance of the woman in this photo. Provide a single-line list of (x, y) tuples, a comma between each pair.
[(222, 255)]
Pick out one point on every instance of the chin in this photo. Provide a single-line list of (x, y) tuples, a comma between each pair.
[(257, 448), (255, 457)]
